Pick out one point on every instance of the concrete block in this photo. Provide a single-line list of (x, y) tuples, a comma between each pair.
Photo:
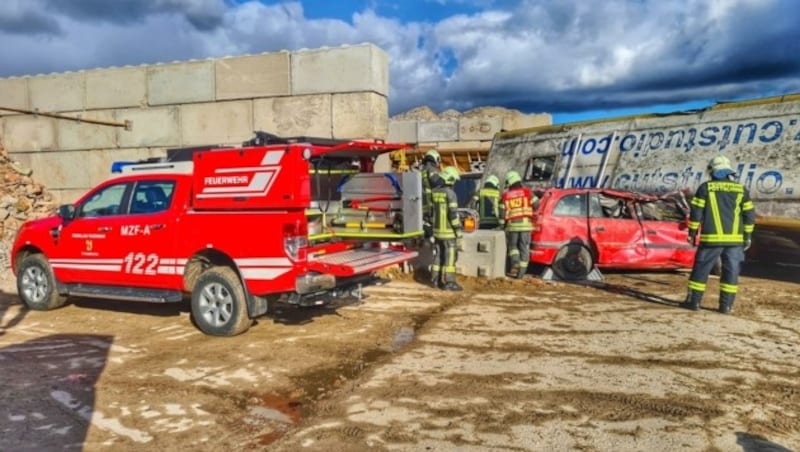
[(432, 131), (58, 92), (338, 70), (75, 172), (294, 115), (360, 115), (402, 131), (14, 94), (29, 133), (77, 135), (265, 75), (151, 127), (483, 254), (180, 83), (216, 123), (66, 196), (527, 121), (479, 128), (116, 88)]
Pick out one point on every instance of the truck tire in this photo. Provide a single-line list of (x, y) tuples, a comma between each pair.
[(219, 306), (36, 284), (573, 262)]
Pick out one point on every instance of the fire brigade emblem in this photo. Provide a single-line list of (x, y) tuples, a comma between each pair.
[(88, 245)]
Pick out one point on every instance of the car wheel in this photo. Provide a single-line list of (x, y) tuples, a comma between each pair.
[(573, 262), (36, 284), (218, 303)]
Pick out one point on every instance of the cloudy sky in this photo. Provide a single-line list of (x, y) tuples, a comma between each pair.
[(571, 58)]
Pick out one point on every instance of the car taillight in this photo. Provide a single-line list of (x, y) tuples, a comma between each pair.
[(295, 240)]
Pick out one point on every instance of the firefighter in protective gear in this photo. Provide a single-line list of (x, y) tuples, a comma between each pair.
[(517, 216), (430, 166), (723, 213), (487, 203), (446, 230)]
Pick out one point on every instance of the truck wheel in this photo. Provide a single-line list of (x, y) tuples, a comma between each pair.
[(36, 284), (218, 303), (573, 262)]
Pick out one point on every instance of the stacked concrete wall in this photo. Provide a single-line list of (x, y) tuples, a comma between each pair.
[(331, 92), (464, 135)]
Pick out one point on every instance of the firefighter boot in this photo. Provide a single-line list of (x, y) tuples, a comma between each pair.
[(726, 302), (692, 301), (452, 286)]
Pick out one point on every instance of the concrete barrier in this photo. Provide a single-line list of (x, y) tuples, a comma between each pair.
[(216, 123), (180, 83), (151, 127), (116, 88), (359, 115), (294, 115), (58, 92), (478, 128), (246, 77), (14, 94), (403, 131), (433, 131), (483, 254), (29, 133), (340, 70), (76, 135)]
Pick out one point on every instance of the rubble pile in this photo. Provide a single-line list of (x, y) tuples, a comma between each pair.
[(21, 199)]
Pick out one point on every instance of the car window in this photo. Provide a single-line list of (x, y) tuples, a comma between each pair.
[(571, 206), (605, 206), (661, 210), (152, 196), (105, 202)]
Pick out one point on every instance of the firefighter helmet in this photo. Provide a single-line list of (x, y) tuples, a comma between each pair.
[(720, 167), (493, 181), (512, 177), (433, 155), (450, 175)]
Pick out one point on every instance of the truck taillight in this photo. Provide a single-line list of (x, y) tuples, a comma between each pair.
[(295, 240)]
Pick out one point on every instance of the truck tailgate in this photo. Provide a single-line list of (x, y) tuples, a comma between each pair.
[(358, 261)]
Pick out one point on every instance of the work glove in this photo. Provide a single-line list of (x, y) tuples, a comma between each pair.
[(691, 238), (747, 242), (460, 242)]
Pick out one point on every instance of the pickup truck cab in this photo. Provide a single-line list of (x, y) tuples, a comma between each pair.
[(296, 220)]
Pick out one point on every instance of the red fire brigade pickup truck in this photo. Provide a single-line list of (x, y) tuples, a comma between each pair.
[(296, 220)]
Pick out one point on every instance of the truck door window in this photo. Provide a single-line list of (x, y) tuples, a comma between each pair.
[(104, 202), (539, 169), (571, 206), (152, 196)]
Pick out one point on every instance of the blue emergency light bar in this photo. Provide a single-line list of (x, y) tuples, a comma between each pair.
[(116, 167)]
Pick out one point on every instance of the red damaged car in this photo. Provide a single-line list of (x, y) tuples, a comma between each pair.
[(578, 228)]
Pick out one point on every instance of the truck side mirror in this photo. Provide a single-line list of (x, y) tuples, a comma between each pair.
[(66, 211)]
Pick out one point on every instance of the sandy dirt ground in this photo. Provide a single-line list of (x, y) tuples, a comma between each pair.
[(504, 365)]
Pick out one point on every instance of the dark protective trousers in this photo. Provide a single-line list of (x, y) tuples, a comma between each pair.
[(445, 256), (704, 260), (518, 244)]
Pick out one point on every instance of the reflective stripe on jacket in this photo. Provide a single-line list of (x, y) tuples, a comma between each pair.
[(518, 210), (489, 206), (446, 224), (723, 212)]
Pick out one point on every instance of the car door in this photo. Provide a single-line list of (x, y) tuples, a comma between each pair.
[(665, 233), (148, 233), (87, 248), (615, 231)]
